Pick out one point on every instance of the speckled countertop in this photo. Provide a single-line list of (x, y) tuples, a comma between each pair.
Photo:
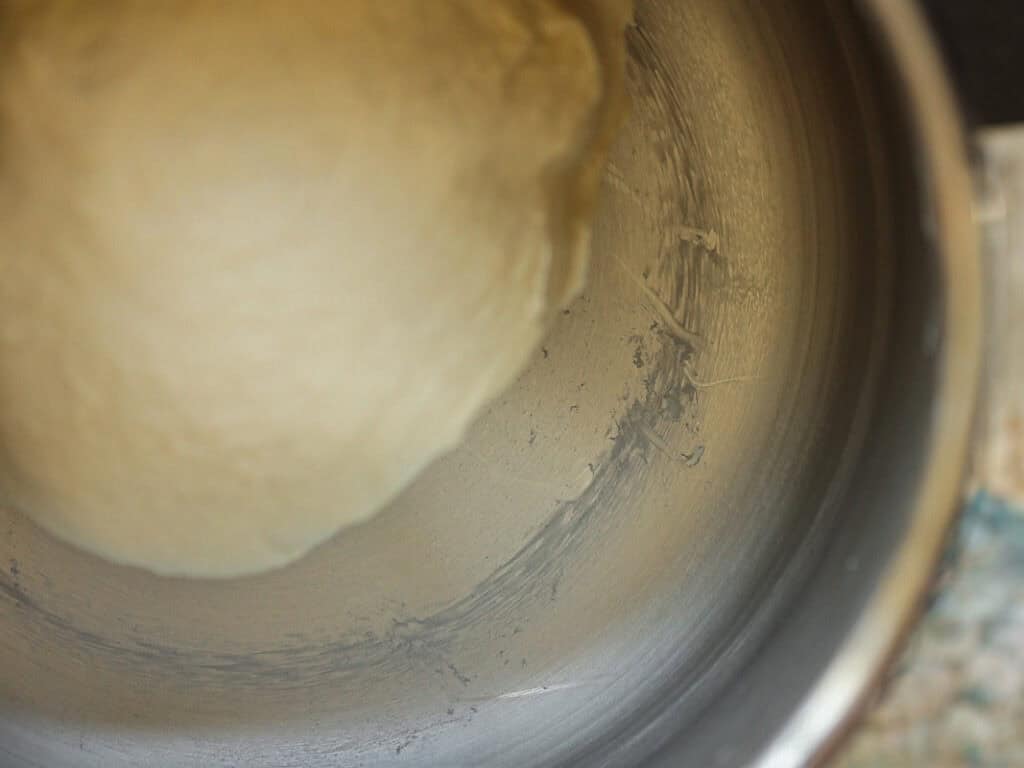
[(956, 697)]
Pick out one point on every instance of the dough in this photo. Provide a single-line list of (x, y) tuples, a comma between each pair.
[(262, 261)]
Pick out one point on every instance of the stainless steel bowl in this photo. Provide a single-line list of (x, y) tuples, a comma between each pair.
[(693, 530)]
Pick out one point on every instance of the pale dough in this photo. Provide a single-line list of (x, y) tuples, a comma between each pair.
[(262, 261)]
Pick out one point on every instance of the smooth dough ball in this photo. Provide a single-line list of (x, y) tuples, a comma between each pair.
[(262, 261)]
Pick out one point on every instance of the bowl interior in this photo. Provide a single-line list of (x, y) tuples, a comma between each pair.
[(621, 529)]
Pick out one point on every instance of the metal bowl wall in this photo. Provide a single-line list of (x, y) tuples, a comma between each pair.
[(723, 439)]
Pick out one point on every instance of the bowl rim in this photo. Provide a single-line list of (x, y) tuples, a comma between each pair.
[(832, 706)]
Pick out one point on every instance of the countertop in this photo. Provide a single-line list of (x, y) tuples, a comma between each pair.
[(956, 696)]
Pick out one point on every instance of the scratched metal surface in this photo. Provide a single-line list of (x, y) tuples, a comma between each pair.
[(633, 513)]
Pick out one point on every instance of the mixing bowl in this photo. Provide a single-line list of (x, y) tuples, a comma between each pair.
[(692, 531)]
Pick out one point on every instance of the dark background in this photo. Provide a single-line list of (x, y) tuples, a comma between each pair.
[(984, 46)]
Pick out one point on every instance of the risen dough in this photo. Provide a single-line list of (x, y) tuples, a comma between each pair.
[(262, 261)]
